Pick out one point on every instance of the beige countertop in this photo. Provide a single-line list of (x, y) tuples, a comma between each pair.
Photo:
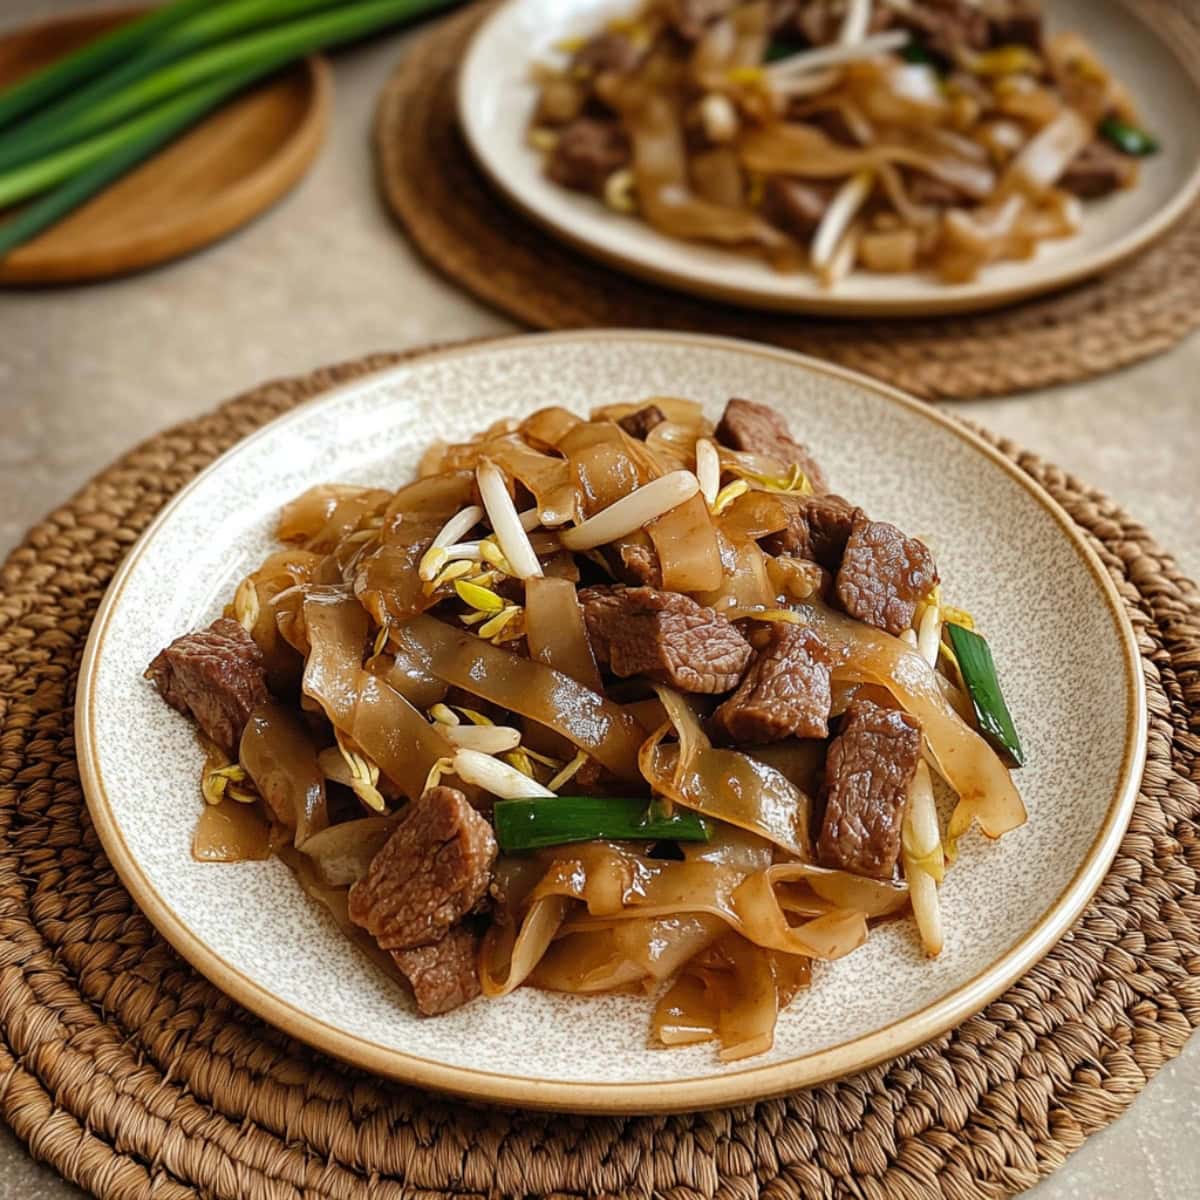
[(86, 372)]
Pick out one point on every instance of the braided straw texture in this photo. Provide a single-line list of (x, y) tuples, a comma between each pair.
[(471, 234), (134, 1077)]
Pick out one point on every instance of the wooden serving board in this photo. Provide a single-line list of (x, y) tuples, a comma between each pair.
[(216, 177)]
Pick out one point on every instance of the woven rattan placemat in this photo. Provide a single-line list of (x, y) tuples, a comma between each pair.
[(134, 1077), (469, 232)]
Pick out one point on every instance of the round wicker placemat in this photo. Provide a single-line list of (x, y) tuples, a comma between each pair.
[(473, 235), (134, 1077)]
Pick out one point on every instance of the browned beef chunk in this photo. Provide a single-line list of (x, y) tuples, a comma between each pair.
[(690, 17), (868, 770), (432, 871), (796, 206), (606, 52), (818, 529), (746, 425), (1016, 23), (1099, 169), (634, 562), (948, 27), (443, 975), (640, 423), (587, 152), (215, 676), (664, 635), (883, 575), (785, 693)]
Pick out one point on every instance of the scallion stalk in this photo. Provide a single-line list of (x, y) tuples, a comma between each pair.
[(978, 670), (175, 98), (556, 820), (122, 150), (26, 94), (57, 124), (271, 48)]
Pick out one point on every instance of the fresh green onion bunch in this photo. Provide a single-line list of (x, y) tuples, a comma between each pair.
[(70, 130)]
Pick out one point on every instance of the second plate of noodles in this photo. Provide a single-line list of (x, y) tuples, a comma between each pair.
[(874, 155)]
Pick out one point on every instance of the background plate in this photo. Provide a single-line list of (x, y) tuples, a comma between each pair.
[(496, 98), (1005, 550)]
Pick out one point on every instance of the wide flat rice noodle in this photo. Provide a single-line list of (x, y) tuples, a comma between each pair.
[(337, 633), (588, 719), (555, 631), (277, 752), (686, 544)]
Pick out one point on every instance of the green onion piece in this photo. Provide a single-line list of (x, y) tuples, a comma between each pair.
[(1129, 139), (35, 89), (917, 52), (781, 47), (978, 671), (554, 820)]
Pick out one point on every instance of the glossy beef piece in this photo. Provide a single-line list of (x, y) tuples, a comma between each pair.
[(1016, 23), (587, 152), (432, 871), (689, 18), (1097, 170), (796, 206), (746, 425), (883, 575), (665, 636), (785, 693), (606, 52), (634, 562), (445, 974), (818, 529), (948, 27), (215, 676), (868, 770), (639, 424)]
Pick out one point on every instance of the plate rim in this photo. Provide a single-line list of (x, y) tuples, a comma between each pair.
[(830, 305), (606, 1097)]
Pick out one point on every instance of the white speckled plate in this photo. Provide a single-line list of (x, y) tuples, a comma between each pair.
[(1006, 552), (496, 98)]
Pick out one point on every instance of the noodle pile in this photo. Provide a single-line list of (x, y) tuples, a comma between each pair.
[(434, 635), (885, 135)]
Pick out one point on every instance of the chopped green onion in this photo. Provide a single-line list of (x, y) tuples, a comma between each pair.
[(917, 52), (978, 671), (1129, 139), (531, 824), (781, 47), (85, 63)]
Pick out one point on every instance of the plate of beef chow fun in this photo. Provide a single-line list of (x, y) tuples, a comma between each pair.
[(612, 721), (850, 157)]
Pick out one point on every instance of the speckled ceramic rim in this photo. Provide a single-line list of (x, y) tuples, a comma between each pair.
[(978, 298), (675, 1095)]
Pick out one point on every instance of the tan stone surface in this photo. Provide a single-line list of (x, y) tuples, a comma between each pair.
[(86, 372)]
